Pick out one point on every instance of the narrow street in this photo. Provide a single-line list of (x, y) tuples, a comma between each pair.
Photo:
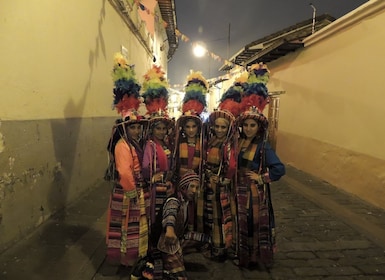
[(322, 233)]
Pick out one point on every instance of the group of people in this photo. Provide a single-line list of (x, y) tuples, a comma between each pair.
[(189, 184)]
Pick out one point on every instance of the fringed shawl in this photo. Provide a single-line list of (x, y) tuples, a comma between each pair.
[(185, 159)]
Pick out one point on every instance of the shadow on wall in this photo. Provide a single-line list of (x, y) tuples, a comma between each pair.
[(63, 249), (66, 131), (65, 135)]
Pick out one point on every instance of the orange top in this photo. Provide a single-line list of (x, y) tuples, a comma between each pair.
[(127, 164)]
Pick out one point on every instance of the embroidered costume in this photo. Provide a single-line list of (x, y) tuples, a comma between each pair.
[(255, 216), (172, 226), (157, 158), (215, 217), (127, 231), (188, 153)]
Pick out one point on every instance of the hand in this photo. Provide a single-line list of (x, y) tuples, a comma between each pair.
[(255, 176), (170, 236), (158, 177), (226, 181), (170, 188), (214, 179)]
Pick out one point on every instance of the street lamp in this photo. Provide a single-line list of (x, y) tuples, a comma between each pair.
[(199, 49)]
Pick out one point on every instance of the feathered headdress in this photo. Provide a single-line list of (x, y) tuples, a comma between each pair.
[(155, 92), (231, 99), (194, 100), (228, 109), (256, 94), (126, 88)]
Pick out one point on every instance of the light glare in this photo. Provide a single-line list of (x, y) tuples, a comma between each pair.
[(199, 50)]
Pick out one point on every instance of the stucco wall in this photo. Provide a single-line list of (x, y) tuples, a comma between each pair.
[(56, 96), (331, 116)]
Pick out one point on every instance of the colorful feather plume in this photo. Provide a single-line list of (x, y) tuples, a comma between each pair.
[(155, 91), (126, 87), (231, 99), (231, 106), (196, 88), (256, 96), (241, 79), (258, 73), (256, 93)]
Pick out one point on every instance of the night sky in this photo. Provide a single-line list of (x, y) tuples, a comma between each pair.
[(209, 21)]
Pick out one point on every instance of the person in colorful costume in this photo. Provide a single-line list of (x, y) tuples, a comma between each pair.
[(127, 231), (188, 153), (258, 165), (214, 214), (157, 158), (172, 226)]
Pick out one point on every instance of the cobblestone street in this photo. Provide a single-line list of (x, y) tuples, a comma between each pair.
[(322, 233)]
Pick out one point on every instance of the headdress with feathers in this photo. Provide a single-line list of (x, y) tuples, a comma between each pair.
[(256, 96), (126, 101), (155, 92), (231, 99), (228, 109), (194, 101), (256, 93), (126, 88), (193, 104)]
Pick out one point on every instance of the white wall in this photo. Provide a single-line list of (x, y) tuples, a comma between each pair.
[(331, 116)]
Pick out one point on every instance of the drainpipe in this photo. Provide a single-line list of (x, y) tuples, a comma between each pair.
[(273, 116)]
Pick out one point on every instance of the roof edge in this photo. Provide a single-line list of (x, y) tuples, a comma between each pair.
[(363, 11)]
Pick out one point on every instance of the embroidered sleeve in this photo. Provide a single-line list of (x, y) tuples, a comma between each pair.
[(125, 166), (170, 212)]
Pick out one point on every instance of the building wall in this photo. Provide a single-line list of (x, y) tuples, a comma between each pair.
[(331, 116), (56, 96)]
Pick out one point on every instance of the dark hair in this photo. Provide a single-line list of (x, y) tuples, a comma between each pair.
[(259, 134)]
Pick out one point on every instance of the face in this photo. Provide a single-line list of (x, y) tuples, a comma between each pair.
[(221, 125), (250, 128), (189, 194), (190, 128), (134, 130), (159, 131)]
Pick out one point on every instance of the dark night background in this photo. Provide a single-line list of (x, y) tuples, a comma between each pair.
[(209, 21)]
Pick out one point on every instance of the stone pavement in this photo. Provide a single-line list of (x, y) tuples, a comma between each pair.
[(322, 233)]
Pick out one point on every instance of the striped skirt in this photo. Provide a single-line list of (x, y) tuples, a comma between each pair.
[(217, 217), (256, 227), (127, 228)]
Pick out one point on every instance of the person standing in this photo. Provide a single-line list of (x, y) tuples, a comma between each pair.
[(127, 226), (214, 215), (258, 166), (157, 158), (188, 152)]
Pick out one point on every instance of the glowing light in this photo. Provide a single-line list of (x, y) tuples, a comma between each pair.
[(199, 49)]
